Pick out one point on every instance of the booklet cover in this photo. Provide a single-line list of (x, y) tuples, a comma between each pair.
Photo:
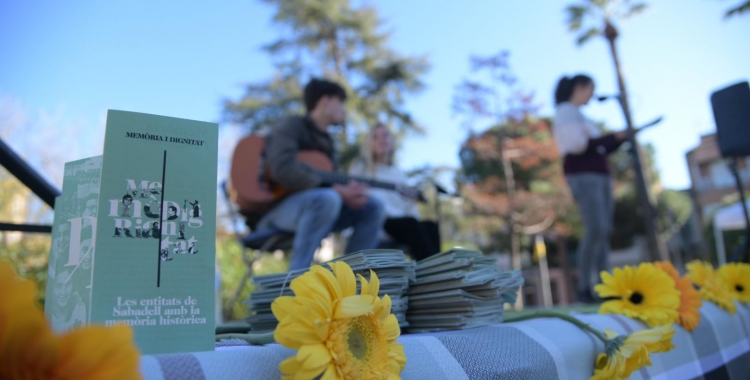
[(68, 300), (156, 229)]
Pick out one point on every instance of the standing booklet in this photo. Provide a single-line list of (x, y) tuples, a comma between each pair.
[(156, 235), (153, 264), (68, 300)]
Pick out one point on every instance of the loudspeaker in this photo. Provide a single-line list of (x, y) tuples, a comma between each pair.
[(732, 114)]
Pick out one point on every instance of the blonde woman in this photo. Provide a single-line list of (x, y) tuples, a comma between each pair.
[(402, 222)]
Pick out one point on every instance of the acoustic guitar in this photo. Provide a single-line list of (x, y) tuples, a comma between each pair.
[(253, 189)]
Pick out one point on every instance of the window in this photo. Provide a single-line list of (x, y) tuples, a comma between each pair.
[(705, 169)]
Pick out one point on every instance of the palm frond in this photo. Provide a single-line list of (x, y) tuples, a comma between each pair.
[(576, 14), (603, 4), (583, 38), (736, 11), (634, 10)]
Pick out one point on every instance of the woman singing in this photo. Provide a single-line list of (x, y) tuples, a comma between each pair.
[(584, 150)]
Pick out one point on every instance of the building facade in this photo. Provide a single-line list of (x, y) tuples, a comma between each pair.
[(711, 178)]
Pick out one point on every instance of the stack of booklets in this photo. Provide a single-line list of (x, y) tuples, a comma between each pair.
[(391, 266), (459, 289)]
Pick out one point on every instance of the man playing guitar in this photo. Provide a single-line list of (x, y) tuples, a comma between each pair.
[(312, 211)]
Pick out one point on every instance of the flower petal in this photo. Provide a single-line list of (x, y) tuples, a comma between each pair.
[(346, 279), (22, 320), (396, 355), (365, 286), (609, 334), (658, 339), (98, 352), (290, 365), (331, 373), (314, 356), (294, 333), (313, 316), (690, 298), (283, 306), (374, 284), (353, 306), (712, 287), (310, 285), (391, 328), (325, 276), (384, 307)]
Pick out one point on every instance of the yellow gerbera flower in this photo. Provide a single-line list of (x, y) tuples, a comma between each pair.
[(644, 292), (338, 334), (627, 353), (30, 350), (711, 288), (690, 299), (736, 278)]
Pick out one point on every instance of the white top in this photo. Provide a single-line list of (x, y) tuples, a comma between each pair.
[(396, 205), (572, 130)]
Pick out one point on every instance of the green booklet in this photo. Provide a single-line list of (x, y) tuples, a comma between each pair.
[(153, 265), (68, 300)]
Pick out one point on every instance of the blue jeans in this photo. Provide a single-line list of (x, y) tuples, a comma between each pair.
[(313, 214), (593, 195)]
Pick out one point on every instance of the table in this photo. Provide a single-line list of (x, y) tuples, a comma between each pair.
[(534, 349)]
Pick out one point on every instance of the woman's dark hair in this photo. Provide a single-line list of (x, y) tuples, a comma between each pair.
[(318, 88), (566, 86)]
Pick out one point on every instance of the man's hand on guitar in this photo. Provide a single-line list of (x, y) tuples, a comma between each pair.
[(353, 193)]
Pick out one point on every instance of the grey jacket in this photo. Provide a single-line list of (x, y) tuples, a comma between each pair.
[(287, 138)]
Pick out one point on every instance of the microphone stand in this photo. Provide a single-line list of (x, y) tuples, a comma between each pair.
[(742, 248), (438, 213), (656, 245)]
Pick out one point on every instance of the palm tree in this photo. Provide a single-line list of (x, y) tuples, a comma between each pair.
[(594, 18)]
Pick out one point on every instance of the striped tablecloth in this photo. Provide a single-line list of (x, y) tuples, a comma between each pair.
[(534, 349)]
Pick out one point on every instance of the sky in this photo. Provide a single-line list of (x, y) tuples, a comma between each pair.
[(64, 64)]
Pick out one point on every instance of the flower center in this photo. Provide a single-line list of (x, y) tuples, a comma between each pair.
[(739, 288), (636, 298), (359, 347), (357, 344)]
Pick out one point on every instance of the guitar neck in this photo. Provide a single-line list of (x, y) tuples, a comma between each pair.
[(343, 179)]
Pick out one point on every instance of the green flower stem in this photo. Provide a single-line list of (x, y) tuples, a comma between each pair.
[(253, 339), (563, 316)]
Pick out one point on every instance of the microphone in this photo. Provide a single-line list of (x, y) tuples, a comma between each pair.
[(602, 98), (442, 190)]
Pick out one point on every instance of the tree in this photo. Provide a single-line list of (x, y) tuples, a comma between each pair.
[(598, 16), (27, 135), (332, 39), (510, 173), (524, 151), (493, 94)]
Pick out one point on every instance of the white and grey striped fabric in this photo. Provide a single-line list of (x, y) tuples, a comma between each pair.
[(535, 349)]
